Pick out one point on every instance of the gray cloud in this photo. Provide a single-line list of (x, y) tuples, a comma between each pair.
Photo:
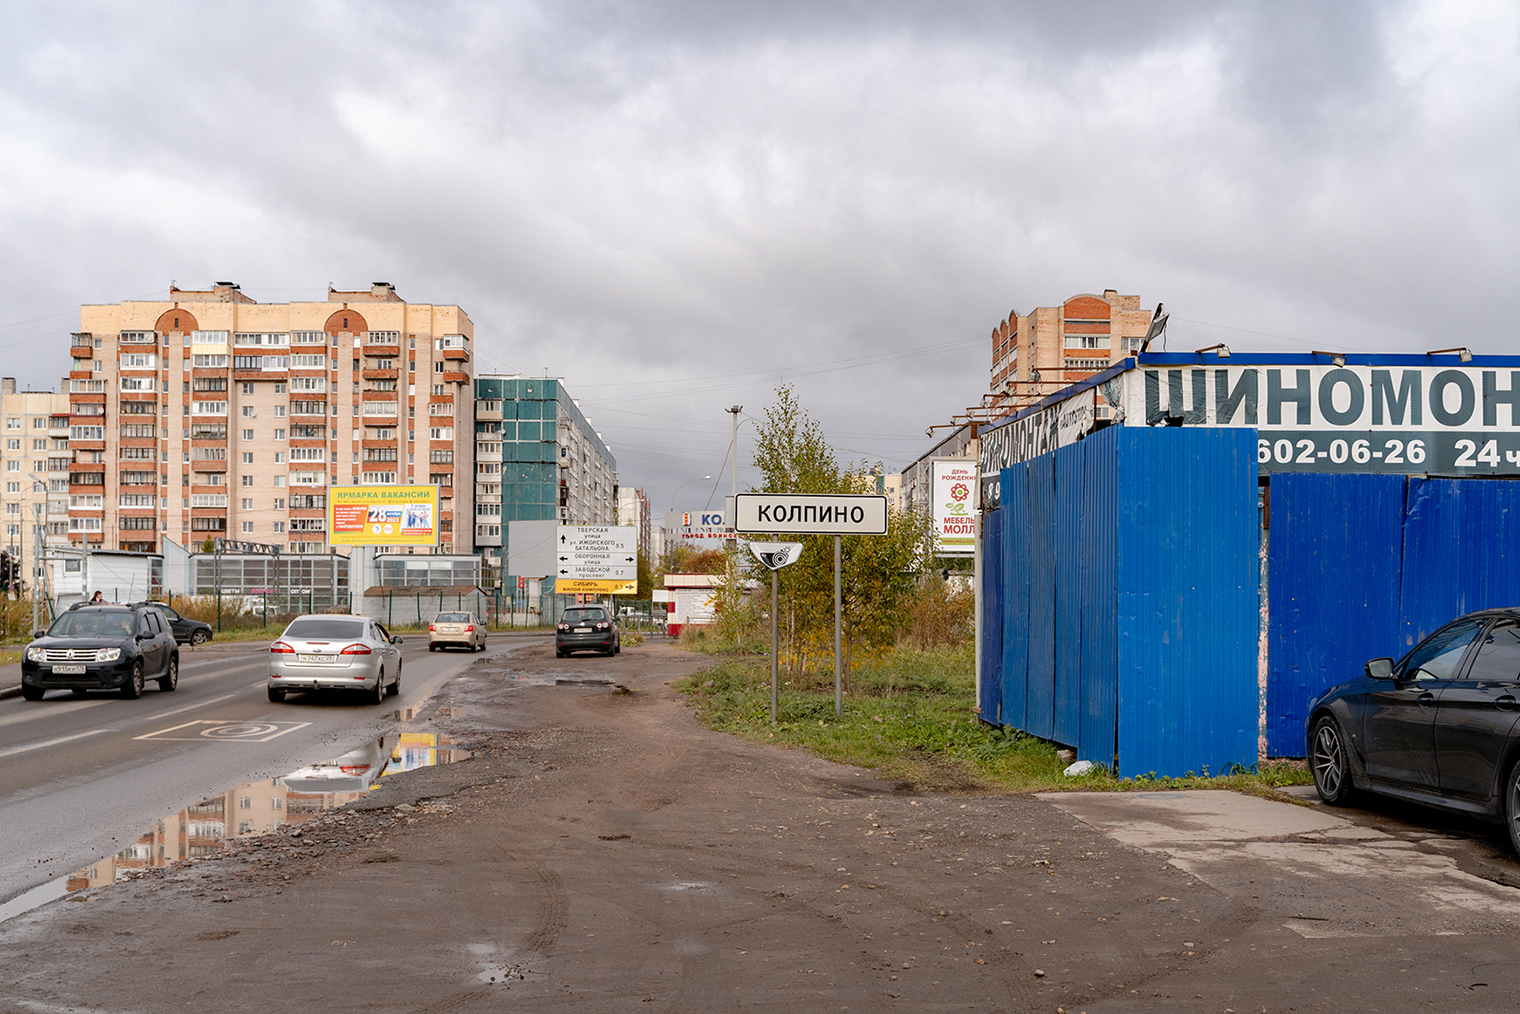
[(638, 197)]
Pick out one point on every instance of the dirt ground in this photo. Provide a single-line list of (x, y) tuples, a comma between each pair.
[(603, 850)]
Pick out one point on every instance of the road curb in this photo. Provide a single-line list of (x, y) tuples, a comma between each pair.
[(10, 692)]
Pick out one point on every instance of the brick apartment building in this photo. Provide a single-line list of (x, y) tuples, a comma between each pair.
[(1038, 353), (34, 467), (210, 414)]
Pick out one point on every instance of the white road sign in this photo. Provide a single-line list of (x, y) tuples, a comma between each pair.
[(597, 552), (810, 514)]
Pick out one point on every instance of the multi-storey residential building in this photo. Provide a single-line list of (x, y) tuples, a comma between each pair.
[(633, 510), (1038, 353), (210, 414), (536, 459), (34, 469)]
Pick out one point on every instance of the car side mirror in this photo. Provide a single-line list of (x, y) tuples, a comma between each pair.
[(396, 639), (1379, 668), (36, 634)]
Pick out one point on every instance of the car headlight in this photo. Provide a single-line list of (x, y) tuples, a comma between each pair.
[(108, 654), (35, 655)]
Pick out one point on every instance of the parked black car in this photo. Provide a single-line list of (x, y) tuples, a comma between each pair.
[(1436, 727), (587, 628), (101, 648), (186, 630)]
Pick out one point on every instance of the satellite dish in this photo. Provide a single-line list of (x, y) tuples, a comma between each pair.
[(776, 555)]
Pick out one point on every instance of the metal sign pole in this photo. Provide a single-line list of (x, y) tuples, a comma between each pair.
[(838, 626), (774, 644)]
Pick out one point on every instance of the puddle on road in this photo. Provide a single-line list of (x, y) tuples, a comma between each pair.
[(208, 827)]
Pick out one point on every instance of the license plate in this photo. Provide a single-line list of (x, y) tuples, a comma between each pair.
[(583, 630), (316, 659), (68, 670)]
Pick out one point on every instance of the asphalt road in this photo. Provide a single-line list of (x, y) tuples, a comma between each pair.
[(81, 778)]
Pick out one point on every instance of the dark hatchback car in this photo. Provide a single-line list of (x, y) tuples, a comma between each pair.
[(587, 628), (101, 648), (186, 630), (1436, 727)]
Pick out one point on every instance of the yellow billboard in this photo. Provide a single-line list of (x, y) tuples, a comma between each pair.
[(382, 516)]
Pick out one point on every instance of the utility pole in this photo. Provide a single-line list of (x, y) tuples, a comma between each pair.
[(733, 486)]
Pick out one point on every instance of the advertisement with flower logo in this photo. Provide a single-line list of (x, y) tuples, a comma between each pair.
[(954, 491)]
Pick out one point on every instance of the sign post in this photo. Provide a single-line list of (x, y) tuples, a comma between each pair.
[(814, 514), (775, 555)]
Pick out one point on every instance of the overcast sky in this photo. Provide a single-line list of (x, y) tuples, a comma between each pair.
[(675, 206)]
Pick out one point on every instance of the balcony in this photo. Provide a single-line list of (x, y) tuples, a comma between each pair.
[(455, 377), (460, 355), (382, 347), (376, 373)]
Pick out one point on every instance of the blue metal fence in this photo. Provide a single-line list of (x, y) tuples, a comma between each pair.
[(991, 699), (1152, 622), (1334, 559)]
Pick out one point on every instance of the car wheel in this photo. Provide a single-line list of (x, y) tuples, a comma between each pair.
[(199, 637), (395, 688), (560, 654), (133, 688), (32, 693), (1329, 762), (379, 697), (1512, 806), (170, 679), (276, 696)]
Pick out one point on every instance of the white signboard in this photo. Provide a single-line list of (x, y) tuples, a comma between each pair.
[(953, 487), (810, 513), (703, 529), (597, 552), (1445, 419)]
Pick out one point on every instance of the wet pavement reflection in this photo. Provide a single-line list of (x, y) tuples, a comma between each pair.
[(209, 826)]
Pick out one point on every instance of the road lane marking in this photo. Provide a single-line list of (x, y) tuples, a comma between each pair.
[(224, 731), (30, 713), (52, 742)]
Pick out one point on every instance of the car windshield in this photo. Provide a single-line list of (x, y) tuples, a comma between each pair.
[(168, 613), (453, 618), (584, 615), (102, 624), (318, 628)]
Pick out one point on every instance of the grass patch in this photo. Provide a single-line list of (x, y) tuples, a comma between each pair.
[(9, 657), (909, 717)]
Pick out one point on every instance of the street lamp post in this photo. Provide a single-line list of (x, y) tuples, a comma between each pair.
[(683, 485)]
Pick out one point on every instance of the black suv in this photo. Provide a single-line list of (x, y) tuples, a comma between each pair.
[(101, 648), (587, 628), (186, 630)]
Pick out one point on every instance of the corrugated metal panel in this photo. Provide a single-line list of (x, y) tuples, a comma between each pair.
[(1039, 716), (1187, 609), (992, 618), (1461, 551), (1067, 684), (1099, 507), (1015, 508), (1334, 550)]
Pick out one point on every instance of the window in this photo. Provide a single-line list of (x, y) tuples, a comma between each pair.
[(208, 337), (247, 457), (308, 338), (441, 433), (441, 457), (279, 434), (279, 481), (248, 411), (441, 389), (247, 503), (279, 503), (209, 408), (248, 434), (247, 480), (139, 408), (438, 367), (136, 500), (1437, 657), (247, 527), (378, 407), (279, 457), (137, 523), (308, 408), (138, 361), (280, 387), (247, 387), (87, 433), (139, 383), (279, 412), (441, 408), (308, 362), (210, 500), (308, 383), (381, 385), (13, 487), (210, 362)]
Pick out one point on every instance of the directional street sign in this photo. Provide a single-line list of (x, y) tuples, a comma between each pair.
[(576, 586), (597, 553)]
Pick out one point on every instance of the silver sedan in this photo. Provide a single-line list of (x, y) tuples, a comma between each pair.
[(335, 652)]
